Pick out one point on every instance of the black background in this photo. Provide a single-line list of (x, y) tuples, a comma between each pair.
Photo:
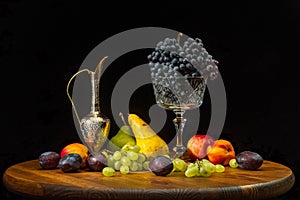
[(43, 43)]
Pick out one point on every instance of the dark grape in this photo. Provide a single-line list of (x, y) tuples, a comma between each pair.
[(181, 54), (70, 162), (170, 54), (170, 62), (49, 160), (161, 59), (189, 66), (182, 66), (161, 165), (195, 51), (166, 58), (198, 40), (249, 160), (97, 162), (154, 58), (189, 56)]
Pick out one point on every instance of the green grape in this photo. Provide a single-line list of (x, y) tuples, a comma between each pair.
[(202, 161), (132, 155), (179, 165), (192, 165), (198, 172), (105, 154), (140, 166), (124, 169), (135, 148), (205, 160), (108, 171), (133, 166), (125, 148), (125, 161), (146, 165), (117, 165), (220, 168), (141, 158), (233, 163), (117, 155), (204, 173), (191, 172), (110, 161), (209, 167)]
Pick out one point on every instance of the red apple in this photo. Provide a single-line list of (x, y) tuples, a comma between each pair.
[(197, 146)]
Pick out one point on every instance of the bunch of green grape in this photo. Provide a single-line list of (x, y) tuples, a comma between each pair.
[(201, 167), (126, 160), (205, 168)]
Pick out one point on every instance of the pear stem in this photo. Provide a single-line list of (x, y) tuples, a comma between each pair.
[(122, 117)]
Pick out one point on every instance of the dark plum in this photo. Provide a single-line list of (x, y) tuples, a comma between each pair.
[(97, 162), (161, 165), (49, 160), (249, 160), (70, 162)]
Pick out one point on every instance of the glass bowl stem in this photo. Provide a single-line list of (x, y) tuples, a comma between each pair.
[(179, 122)]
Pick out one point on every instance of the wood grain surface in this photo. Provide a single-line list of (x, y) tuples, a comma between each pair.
[(28, 178)]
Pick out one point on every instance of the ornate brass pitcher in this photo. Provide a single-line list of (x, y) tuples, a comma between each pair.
[(95, 125)]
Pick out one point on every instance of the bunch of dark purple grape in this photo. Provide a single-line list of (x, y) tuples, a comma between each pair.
[(169, 59)]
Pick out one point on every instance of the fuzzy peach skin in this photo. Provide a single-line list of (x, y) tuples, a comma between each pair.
[(221, 153)]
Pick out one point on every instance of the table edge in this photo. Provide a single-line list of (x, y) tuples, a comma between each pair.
[(232, 192)]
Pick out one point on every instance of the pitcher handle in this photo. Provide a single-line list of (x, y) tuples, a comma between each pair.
[(70, 98), (98, 73)]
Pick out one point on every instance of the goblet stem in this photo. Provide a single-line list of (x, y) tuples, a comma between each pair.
[(179, 123)]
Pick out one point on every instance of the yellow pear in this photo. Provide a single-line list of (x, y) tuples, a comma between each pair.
[(146, 138)]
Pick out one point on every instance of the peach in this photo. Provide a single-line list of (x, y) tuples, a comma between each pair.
[(221, 152)]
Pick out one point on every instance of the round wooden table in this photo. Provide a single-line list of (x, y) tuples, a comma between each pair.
[(27, 178)]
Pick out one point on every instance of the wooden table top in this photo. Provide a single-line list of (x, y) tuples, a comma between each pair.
[(27, 178)]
